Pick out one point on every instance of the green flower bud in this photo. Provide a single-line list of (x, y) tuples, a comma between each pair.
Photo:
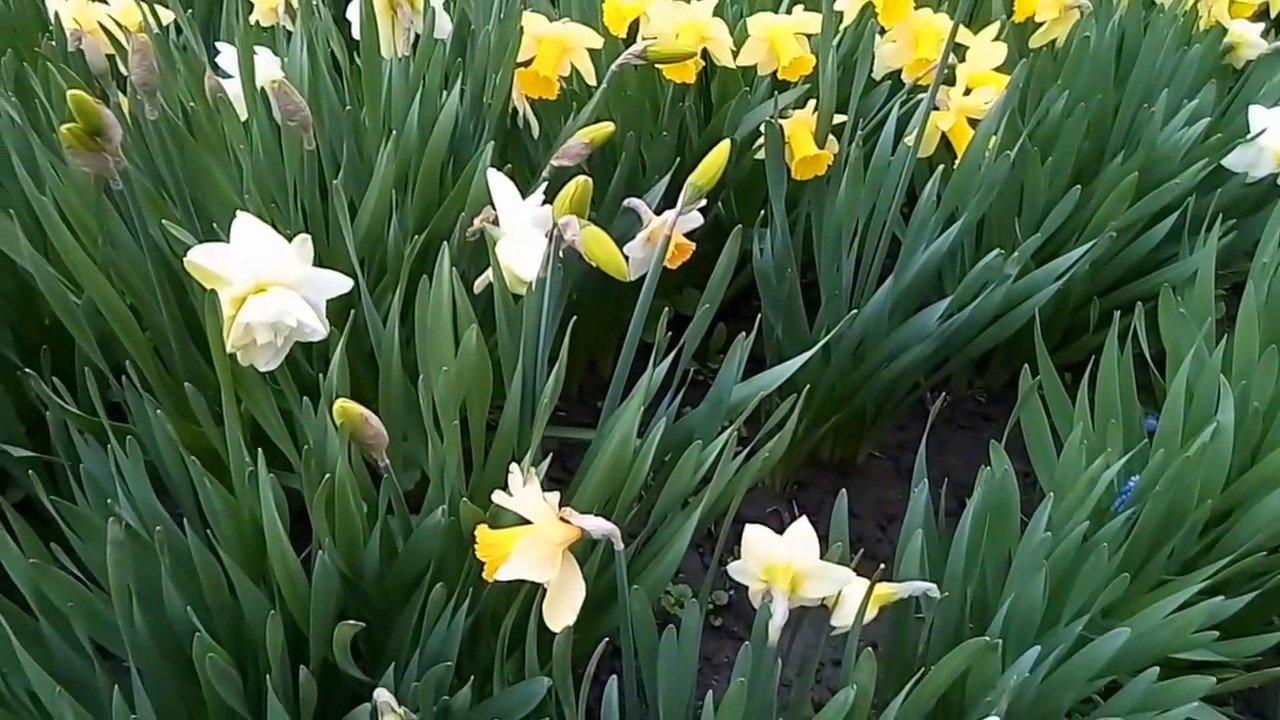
[(600, 251), (708, 172), (94, 117), (665, 52), (73, 136), (574, 198)]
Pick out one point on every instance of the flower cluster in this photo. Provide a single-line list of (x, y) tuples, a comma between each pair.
[(1244, 24)]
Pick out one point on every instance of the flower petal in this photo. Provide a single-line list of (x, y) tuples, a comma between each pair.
[(565, 595)]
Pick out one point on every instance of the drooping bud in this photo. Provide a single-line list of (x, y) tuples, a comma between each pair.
[(92, 142), (574, 198), (144, 73), (365, 427), (708, 172), (581, 144), (290, 110), (596, 527)]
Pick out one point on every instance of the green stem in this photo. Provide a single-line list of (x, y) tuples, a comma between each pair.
[(631, 697)]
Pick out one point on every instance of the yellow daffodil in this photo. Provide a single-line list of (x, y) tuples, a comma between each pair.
[(648, 241), (400, 22), (269, 13), (913, 46), (805, 158), (1056, 18), (1251, 8), (1259, 156), (786, 571), (691, 25), (619, 15), (778, 43), (888, 12), (845, 606), (539, 550), (1243, 42), (957, 106), (269, 289), (553, 49), (87, 24)]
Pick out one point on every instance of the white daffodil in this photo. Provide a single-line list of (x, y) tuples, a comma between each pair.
[(538, 551), (266, 66), (1259, 156), (641, 249), (271, 294), (786, 571), (399, 22), (845, 609), (523, 227), (388, 707), (1243, 42)]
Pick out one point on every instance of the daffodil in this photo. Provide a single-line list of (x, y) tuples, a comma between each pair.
[(691, 25), (888, 12), (913, 46), (805, 158), (266, 67), (982, 50), (620, 15), (641, 250), (1259, 156), (553, 49), (845, 606), (87, 24), (388, 707), (1056, 18), (957, 106), (269, 13), (1243, 42), (786, 571), (400, 22), (539, 551), (523, 226), (778, 43), (270, 292)]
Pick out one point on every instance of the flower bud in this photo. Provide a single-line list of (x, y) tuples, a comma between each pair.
[(708, 172), (95, 118), (581, 144), (665, 52), (366, 429), (601, 252), (574, 198), (596, 527), (74, 137), (290, 110), (144, 73)]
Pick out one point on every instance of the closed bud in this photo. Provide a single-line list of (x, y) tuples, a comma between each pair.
[(365, 427), (708, 172), (144, 73), (664, 52), (290, 110), (601, 252), (73, 136), (582, 143), (574, 198), (95, 118)]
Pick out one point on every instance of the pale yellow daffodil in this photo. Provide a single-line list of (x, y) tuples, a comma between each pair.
[(1243, 42), (845, 606), (806, 159), (913, 46), (400, 22), (641, 250), (269, 13), (778, 43), (539, 550), (87, 24), (786, 571), (688, 24), (620, 15), (553, 49), (1259, 156), (1056, 18), (888, 12)]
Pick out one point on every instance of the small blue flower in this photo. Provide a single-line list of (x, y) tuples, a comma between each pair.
[(1124, 494), (1150, 421)]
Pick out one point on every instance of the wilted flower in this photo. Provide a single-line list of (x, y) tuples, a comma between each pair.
[(913, 45), (539, 551), (618, 15), (553, 50), (290, 109), (93, 140), (269, 13), (400, 22), (778, 43), (845, 606), (688, 25), (1243, 42), (888, 12), (786, 571), (1056, 18), (366, 429), (523, 226), (1259, 156), (266, 66), (805, 158), (270, 292), (655, 229)]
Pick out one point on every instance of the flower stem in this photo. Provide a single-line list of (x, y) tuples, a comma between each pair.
[(631, 696)]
